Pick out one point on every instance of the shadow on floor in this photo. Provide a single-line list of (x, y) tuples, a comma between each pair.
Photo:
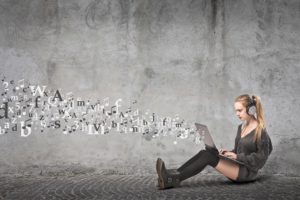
[(223, 182)]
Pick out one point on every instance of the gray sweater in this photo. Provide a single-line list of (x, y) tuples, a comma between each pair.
[(253, 154)]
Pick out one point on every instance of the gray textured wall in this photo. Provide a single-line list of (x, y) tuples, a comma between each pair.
[(190, 58)]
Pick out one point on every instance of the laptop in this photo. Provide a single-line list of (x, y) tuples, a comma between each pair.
[(209, 143)]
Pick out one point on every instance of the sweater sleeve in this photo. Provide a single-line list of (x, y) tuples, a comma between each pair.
[(256, 160)]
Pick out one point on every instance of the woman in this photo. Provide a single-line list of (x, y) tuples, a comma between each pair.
[(252, 147)]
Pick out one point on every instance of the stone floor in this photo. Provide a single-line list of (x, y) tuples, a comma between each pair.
[(99, 186)]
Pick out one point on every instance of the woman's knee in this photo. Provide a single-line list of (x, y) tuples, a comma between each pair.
[(212, 159)]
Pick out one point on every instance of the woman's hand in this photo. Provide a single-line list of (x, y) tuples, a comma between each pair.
[(230, 154), (227, 153), (222, 151)]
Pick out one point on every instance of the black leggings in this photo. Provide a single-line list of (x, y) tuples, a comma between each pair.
[(197, 163)]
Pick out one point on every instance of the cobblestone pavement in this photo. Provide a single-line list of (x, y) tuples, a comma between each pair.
[(97, 186)]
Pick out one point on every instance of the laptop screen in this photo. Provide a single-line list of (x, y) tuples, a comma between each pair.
[(204, 133)]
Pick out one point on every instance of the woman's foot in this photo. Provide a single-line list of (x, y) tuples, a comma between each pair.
[(166, 179), (169, 171)]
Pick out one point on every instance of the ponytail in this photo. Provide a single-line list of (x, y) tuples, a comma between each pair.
[(260, 117), (249, 101)]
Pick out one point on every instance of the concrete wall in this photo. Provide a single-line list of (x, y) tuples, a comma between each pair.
[(190, 58)]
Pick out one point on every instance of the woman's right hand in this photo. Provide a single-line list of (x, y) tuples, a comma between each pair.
[(222, 151)]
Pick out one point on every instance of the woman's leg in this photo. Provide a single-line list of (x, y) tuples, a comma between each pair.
[(187, 170), (228, 169), (191, 160), (196, 164)]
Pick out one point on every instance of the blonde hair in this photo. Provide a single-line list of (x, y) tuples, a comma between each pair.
[(248, 101)]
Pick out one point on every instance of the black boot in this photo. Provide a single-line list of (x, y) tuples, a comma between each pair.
[(169, 171), (166, 178)]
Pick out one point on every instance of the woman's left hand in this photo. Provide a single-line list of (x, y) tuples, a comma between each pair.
[(230, 154)]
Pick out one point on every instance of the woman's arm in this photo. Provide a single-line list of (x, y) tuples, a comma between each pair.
[(257, 160)]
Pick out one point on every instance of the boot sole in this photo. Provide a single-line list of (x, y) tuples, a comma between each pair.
[(161, 183), (158, 163)]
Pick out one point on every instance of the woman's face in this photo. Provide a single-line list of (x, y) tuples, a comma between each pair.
[(240, 111)]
